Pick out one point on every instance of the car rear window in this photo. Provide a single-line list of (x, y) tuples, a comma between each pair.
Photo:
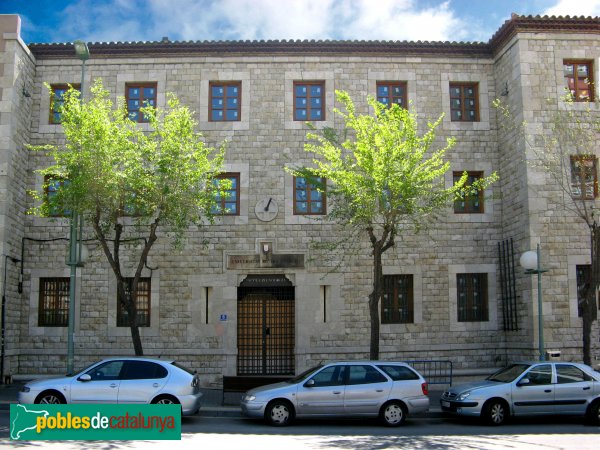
[(398, 373), (143, 370)]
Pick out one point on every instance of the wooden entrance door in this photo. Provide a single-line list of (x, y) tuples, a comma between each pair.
[(266, 333)]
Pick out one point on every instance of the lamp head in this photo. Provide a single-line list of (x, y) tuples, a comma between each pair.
[(529, 260), (81, 50)]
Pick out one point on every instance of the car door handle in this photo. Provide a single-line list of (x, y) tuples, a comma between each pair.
[(378, 390), (113, 385), (586, 388), (155, 385), (337, 392), (548, 390)]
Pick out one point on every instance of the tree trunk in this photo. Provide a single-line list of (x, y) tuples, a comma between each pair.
[(589, 308), (128, 302), (374, 303)]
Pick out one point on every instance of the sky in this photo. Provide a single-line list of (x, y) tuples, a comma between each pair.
[(198, 20)]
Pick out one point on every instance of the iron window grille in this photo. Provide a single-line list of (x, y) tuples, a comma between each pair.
[(142, 303), (54, 302), (472, 295), (397, 300)]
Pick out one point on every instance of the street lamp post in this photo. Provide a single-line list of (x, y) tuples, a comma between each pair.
[(531, 261), (3, 337), (83, 53)]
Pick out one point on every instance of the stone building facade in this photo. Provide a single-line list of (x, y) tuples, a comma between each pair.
[(258, 299)]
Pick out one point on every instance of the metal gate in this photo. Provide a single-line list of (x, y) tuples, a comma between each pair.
[(265, 334)]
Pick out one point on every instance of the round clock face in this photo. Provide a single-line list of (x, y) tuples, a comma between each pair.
[(266, 209)]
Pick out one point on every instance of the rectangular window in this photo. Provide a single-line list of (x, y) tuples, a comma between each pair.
[(464, 104), (584, 279), (309, 100), (397, 300), (54, 302), (309, 197), (51, 187), (472, 297), (138, 96), (390, 92), (142, 304), (584, 177), (579, 79), (57, 101), (225, 101), (229, 203), (472, 202)]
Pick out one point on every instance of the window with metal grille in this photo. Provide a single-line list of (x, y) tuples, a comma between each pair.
[(579, 79), (227, 202), (472, 295), (309, 100), (54, 302), (392, 92), (57, 101), (397, 300), (471, 202), (142, 304), (584, 177), (464, 104), (309, 196), (225, 101), (139, 96)]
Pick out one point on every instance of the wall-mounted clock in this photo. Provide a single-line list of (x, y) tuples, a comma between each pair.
[(266, 209)]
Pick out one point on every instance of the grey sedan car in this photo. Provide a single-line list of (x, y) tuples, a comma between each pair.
[(529, 389), (388, 390), (121, 380)]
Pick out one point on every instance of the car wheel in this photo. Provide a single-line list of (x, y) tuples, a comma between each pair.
[(393, 414), (165, 400), (495, 412), (594, 413), (50, 398), (279, 413)]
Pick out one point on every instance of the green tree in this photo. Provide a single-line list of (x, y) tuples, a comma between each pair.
[(159, 177), (383, 179), (564, 148)]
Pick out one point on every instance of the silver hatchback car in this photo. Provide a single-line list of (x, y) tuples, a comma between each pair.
[(528, 389), (121, 380), (388, 390)]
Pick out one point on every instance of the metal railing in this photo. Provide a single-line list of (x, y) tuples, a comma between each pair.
[(435, 372)]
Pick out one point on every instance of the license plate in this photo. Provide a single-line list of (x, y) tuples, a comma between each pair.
[(446, 404)]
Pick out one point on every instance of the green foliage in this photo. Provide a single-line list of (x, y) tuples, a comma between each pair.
[(161, 172), (385, 174)]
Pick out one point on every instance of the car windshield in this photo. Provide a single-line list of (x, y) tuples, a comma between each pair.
[(509, 373), (304, 375), (71, 374)]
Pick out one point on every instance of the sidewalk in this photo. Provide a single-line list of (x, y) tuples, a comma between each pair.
[(214, 403)]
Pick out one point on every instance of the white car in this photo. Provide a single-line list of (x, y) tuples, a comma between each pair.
[(528, 389), (388, 390), (121, 380)]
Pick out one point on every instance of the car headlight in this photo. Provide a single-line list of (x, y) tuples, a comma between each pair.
[(249, 398), (463, 396), (25, 389)]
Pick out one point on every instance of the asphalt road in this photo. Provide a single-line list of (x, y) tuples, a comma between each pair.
[(230, 433)]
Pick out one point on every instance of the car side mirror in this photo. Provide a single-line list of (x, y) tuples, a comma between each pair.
[(309, 383), (85, 377), (523, 382)]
